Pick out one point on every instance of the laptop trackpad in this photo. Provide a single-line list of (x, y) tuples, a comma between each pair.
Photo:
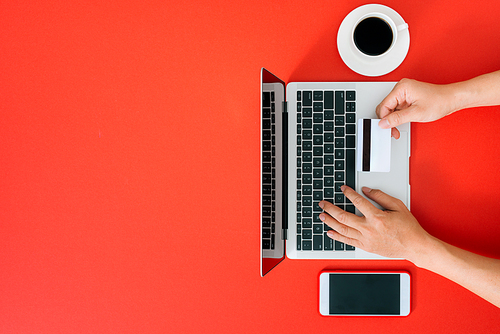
[(396, 182)]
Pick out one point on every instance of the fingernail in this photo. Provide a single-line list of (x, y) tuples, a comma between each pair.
[(330, 234), (342, 188), (366, 189), (384, 124), (321, 204), (322, 217)]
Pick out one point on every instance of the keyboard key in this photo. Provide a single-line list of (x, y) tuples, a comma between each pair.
[(317, 117), (350, 95), (307, 145), (349, 247), (266, 233), (329, 100), (307, 212), (350, 141), (318, 96), (306, 112), (299, 95), (307, 123), (266, 244), (350, 168), (318, 228), (339, 246), (339, 103), (306, 201), (328, 192), (307, 223), (307, 167), (306, 156), (307, 234), (318, 173), (329, 159), (317, 162), (350, 118), (339, 198), (318, 151), (318, 242), (328, 170), (306, 245), (328, 114), (329, 182), (318, 184), (329, 137), (299, 242), (307, 98), (328, 242), (339, 142), (328, 148), (318, 139), (266, 99), (307, 134), (318, 106), (350, 129), (339, 176)]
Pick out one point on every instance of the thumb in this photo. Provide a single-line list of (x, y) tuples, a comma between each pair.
[(386, 201), (397, 118)]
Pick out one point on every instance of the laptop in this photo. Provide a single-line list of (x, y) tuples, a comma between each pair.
[(310, 145)]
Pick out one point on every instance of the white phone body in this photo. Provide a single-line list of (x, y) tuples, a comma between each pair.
[(351, 293)]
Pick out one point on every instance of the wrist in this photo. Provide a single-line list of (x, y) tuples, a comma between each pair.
[(424, 254)]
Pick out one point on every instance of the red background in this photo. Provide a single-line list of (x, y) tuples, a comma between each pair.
[(129, 171)]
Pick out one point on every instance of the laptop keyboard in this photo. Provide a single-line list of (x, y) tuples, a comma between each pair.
[(326, 141), (268, 170)]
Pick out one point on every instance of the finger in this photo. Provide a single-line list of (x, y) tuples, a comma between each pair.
[(388, 104), (343, 229), (363, 205), (339, 237), (397, 118), (395, 133), (386, 201), (341, 216)]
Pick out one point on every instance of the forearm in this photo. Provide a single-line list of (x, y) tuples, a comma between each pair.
[(477, 273), (483, 90)]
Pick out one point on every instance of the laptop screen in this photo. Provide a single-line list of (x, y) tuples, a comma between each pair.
[(272, 165)]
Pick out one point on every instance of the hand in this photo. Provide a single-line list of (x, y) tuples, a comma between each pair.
[(390, 233), (412, 100)]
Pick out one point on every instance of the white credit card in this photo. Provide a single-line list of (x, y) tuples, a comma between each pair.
[(374, 147)]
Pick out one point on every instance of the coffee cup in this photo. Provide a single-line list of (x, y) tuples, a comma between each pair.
[(375, 34)]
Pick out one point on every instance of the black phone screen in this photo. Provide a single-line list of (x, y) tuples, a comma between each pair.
[(364, 294)]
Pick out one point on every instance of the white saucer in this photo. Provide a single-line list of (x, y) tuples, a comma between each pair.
[(367, 65)]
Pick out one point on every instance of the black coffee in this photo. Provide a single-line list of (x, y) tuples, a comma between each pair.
[(373, 36)]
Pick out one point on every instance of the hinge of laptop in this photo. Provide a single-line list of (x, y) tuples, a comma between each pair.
[(284, 235), (285, 106)]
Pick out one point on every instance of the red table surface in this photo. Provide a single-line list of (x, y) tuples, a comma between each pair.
[(129, 171)]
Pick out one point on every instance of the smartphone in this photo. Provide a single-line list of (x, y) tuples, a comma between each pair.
[(364, 293)]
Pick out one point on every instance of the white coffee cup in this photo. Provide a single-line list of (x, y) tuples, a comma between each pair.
[(381, 50)]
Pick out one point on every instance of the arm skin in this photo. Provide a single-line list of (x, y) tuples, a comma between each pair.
[(395, 232)]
